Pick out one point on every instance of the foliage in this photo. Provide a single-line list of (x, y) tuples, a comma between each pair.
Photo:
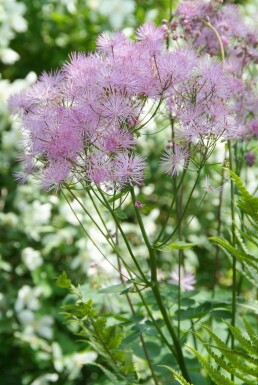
[(106, 340), (246, 238), (240, 362)]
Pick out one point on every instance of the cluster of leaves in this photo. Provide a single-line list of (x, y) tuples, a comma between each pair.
[(246, 249), (240, 362), (106, 340)]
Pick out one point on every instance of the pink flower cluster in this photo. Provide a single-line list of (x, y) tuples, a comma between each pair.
[(239, 39), (81, 121)]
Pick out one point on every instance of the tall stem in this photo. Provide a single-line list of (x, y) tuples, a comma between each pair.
[(171, 207), (157, 295), (123, 236), (185, 209), (233, 228)]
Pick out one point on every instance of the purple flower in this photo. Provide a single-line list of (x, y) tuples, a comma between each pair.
[(192, 8), (151, 38), (139, 205), (254, 127), (115, 139), (187, 279), (174, 159), (128, 169), (250, 158), (109, 43), (54, 174), (98, 169)]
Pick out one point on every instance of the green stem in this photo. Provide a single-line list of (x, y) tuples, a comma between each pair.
[(233, 228), (94, 243), (133, 312), (185, 209), (163, 337), (209, 25), (179, 353), (171, 207), (124, 237), (157, 295)]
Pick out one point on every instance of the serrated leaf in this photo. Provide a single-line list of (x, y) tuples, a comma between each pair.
[(63, 281), (177, 375), (214, 374), (240, 255), (114, 336), (111, 376), (247, 202)]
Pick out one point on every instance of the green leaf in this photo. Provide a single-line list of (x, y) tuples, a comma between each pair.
[(63, 281), (242, 256), (244, 342), (252, 335), (118, 196), (114, 336), (215, 375), (196, 312), (241, 364), (247, 202), (111, 376), (223, 314), (182, 245), (120, 213), (177, 375)]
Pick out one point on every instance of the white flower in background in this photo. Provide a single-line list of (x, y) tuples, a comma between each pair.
[(7, 89), (28, 298), (70, 5), (34, 216), (26, 317), (45, 379), (117, 11), (35, 325), (43, 326), (8, 56), (31, 258), (73, 363), (9, 219), (11, 22), (67, 213)]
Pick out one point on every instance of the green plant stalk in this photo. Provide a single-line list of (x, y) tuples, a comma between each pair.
[(146, 353), (156, 292), (180, 262), (185, 209), (94, 243), (233, 228), (171, 207), (113, 246), (121, 278), (107, 351), (99, 215), (124, 237), (163, 337), (234, 284)]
